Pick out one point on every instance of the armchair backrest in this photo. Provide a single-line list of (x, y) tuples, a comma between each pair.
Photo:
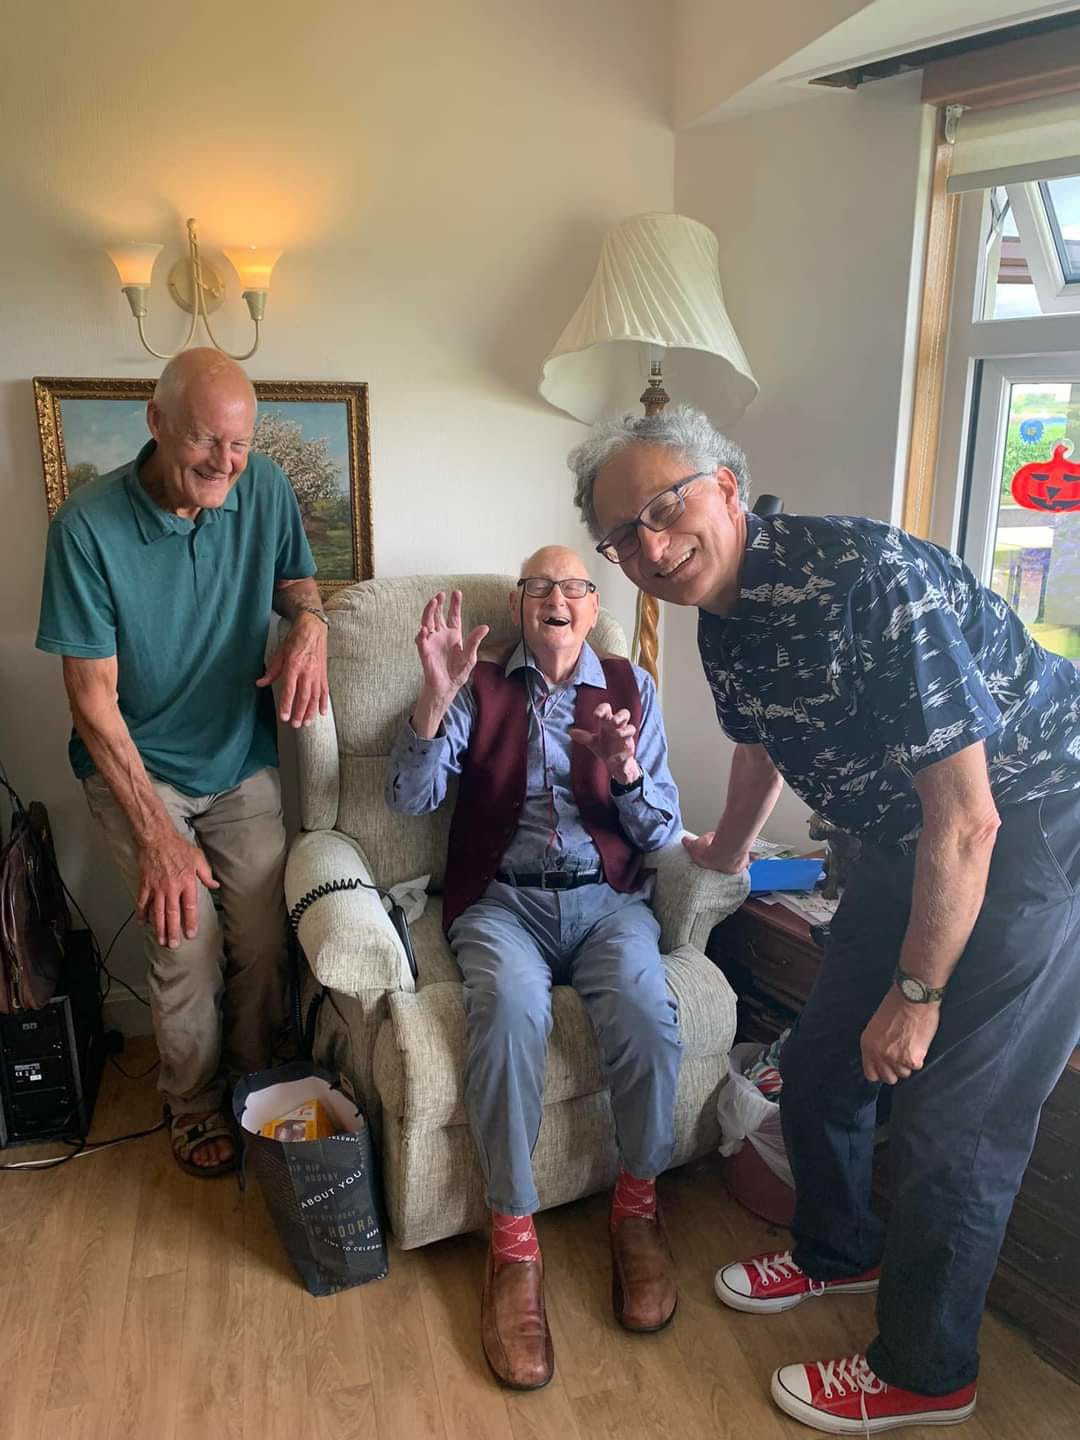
[(374, 679)]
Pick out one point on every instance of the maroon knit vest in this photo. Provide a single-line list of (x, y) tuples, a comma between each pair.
[(491, 791)]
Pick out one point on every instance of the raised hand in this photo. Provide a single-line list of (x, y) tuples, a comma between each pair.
[(613, 740), (446, 658)]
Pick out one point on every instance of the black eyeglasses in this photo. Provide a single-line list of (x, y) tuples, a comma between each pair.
[(659, 514), (540, 587)]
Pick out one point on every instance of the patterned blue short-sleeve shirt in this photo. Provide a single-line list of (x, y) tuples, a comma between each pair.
[(858, 655)]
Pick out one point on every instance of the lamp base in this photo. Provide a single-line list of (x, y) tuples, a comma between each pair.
[(213, 287), (654, 397), (646, 646)]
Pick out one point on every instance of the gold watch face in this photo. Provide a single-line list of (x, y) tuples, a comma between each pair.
[(911, 989)]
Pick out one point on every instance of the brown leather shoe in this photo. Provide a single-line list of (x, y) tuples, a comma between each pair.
[(513, 1324), (643, 1289)]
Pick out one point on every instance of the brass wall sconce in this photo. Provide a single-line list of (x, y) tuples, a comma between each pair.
[(195, 285)]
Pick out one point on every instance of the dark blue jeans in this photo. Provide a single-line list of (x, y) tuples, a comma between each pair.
[(963, 1127)]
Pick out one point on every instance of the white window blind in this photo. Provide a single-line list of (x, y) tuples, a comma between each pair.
[(1010, 144)]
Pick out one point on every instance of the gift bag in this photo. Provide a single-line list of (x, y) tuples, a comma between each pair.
[(758, 1174), (323, 1195)]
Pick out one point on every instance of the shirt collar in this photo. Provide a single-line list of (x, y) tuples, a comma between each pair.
[(587, 671), (154, 523), (758, 577)]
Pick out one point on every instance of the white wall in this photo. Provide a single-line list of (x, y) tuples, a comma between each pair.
[(819, 211), (718, 50), (440, 175)]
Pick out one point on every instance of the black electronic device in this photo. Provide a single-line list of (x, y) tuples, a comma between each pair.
[(767, 505), (51, 1058)]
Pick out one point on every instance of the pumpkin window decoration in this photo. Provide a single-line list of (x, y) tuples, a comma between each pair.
[(1052, 485)]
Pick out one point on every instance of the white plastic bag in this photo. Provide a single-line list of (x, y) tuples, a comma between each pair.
[(745, 1114)]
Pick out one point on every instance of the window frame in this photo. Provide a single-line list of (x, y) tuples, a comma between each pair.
[(1057, 296), (971, 342)]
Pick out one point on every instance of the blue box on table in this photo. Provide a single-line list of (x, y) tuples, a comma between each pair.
[(798, 874)]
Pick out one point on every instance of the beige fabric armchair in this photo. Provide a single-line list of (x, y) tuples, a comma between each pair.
[(401, 1043)]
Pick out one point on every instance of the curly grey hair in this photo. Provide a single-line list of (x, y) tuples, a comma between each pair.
[(687, 431)]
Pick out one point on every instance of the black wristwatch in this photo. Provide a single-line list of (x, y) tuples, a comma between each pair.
[(617, 789), (917, 991)]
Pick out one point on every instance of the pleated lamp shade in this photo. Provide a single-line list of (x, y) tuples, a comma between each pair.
[(658, 286)]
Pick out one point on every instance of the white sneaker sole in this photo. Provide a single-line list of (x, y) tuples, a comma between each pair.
[(751, 1306), (834, 1425)]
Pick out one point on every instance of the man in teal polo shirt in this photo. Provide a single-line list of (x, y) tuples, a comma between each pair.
[(160, 579)]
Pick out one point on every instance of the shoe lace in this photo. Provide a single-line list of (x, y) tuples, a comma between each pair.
[(851, 1375), (778, 1266)]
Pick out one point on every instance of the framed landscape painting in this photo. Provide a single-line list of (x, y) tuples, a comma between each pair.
[(316, 430)]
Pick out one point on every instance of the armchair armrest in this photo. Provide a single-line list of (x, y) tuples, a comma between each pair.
[(689, 901), (348, 939)]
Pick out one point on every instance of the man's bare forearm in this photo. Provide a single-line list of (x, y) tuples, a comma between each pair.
[(951, 870), (952, 863), (429, 711), (753, 790), (297, 597), (91, 688)]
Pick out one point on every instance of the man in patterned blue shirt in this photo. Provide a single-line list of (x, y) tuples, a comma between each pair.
[(908, 705)]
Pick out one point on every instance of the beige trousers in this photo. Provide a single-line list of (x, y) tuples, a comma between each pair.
[(218, 1001)]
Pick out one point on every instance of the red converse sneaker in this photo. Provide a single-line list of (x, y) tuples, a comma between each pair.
[(845, 1397), (774, 1282)]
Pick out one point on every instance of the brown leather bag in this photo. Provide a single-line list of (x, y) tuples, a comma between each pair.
[(34, 918)]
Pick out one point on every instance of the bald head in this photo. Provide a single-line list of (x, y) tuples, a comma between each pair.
[(193, 375), (556, 562), (202, 418)]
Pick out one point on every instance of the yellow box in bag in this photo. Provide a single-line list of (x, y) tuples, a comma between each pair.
[(307, 1121)]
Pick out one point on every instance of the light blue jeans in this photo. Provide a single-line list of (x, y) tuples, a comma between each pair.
[(512, 946)]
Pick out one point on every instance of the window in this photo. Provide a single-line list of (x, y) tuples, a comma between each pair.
[(1061, 204), (1011, 393), (1032, 250), (1030, 557)]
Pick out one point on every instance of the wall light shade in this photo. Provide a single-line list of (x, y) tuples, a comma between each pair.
[(657, 285), (134, 263), (253, 265), (194, 285)]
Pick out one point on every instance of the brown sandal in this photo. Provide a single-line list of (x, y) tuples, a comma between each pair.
[(187, 1138)]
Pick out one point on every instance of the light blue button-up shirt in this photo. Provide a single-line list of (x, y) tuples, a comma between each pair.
[(550, 833)]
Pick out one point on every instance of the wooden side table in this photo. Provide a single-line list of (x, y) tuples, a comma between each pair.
[(771, 962)]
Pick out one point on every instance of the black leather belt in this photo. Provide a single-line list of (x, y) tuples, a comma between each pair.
[(551, 879)]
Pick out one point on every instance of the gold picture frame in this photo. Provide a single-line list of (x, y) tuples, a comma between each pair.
[(91, 426)]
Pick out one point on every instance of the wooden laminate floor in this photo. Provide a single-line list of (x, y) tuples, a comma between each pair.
[(140, 1304)]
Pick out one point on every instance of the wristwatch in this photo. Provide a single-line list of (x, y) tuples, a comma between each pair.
[(619, 789), (313, 610), (916, 990)]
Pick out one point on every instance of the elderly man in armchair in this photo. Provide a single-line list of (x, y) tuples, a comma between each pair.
[(564, 785)]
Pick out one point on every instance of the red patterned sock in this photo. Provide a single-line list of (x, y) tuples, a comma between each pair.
[(633, 1197), (513, 1238)]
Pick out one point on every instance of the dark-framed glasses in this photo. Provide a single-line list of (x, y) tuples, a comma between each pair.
[(659, 514), (539, 587)]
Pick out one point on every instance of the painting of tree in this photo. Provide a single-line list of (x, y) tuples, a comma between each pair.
[(316, 430), (314, 472)]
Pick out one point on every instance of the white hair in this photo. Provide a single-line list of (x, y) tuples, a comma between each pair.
[(688, 432)]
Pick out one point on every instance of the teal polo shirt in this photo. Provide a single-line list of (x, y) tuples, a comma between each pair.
[(185, 607)]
